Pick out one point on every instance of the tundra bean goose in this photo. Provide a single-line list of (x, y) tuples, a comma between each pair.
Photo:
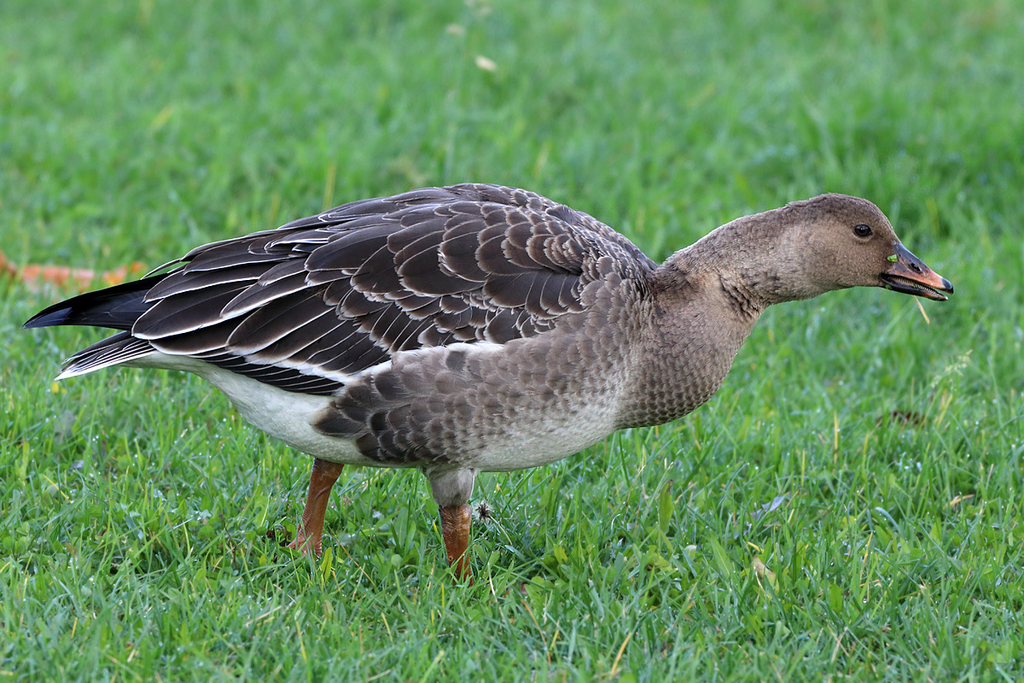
[(473, 328)]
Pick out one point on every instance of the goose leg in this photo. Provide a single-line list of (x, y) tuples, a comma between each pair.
[(452, 489), (455, 523), (321, 480)]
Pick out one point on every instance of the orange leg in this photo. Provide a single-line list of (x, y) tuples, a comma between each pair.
[(455, 523), (321, 480)]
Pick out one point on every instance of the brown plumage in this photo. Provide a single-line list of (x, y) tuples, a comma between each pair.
[(474, 327)]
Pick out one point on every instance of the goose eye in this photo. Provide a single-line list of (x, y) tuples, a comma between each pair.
[(862, 231)]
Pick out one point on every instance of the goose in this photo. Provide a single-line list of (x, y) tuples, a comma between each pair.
[(473, 328)]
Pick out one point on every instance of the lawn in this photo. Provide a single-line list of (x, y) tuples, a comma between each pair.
[(849, 506)]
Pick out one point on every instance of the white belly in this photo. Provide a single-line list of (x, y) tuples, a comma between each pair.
[(284, 415), (287, 416), (546, 442)]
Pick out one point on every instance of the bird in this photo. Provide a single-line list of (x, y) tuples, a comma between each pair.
[(473, 328)]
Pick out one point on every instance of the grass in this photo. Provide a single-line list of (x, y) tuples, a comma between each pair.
[(847, 507)]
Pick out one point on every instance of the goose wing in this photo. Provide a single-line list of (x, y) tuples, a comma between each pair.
[(307, 305)]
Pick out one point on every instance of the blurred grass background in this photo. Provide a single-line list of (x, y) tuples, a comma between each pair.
[(849, 506)]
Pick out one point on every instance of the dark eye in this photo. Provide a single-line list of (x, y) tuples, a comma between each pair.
[(862, 231)]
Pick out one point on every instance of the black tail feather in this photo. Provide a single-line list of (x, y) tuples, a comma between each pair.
[(116, 307)]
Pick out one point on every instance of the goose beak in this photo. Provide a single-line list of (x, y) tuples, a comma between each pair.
[(909, 275)]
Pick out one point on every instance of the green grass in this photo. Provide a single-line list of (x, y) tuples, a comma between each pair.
[(140, 518)]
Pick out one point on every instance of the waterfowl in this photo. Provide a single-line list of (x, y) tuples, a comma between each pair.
[(474, 327)]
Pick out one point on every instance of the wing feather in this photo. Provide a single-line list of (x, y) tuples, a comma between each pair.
[(304, 306)]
